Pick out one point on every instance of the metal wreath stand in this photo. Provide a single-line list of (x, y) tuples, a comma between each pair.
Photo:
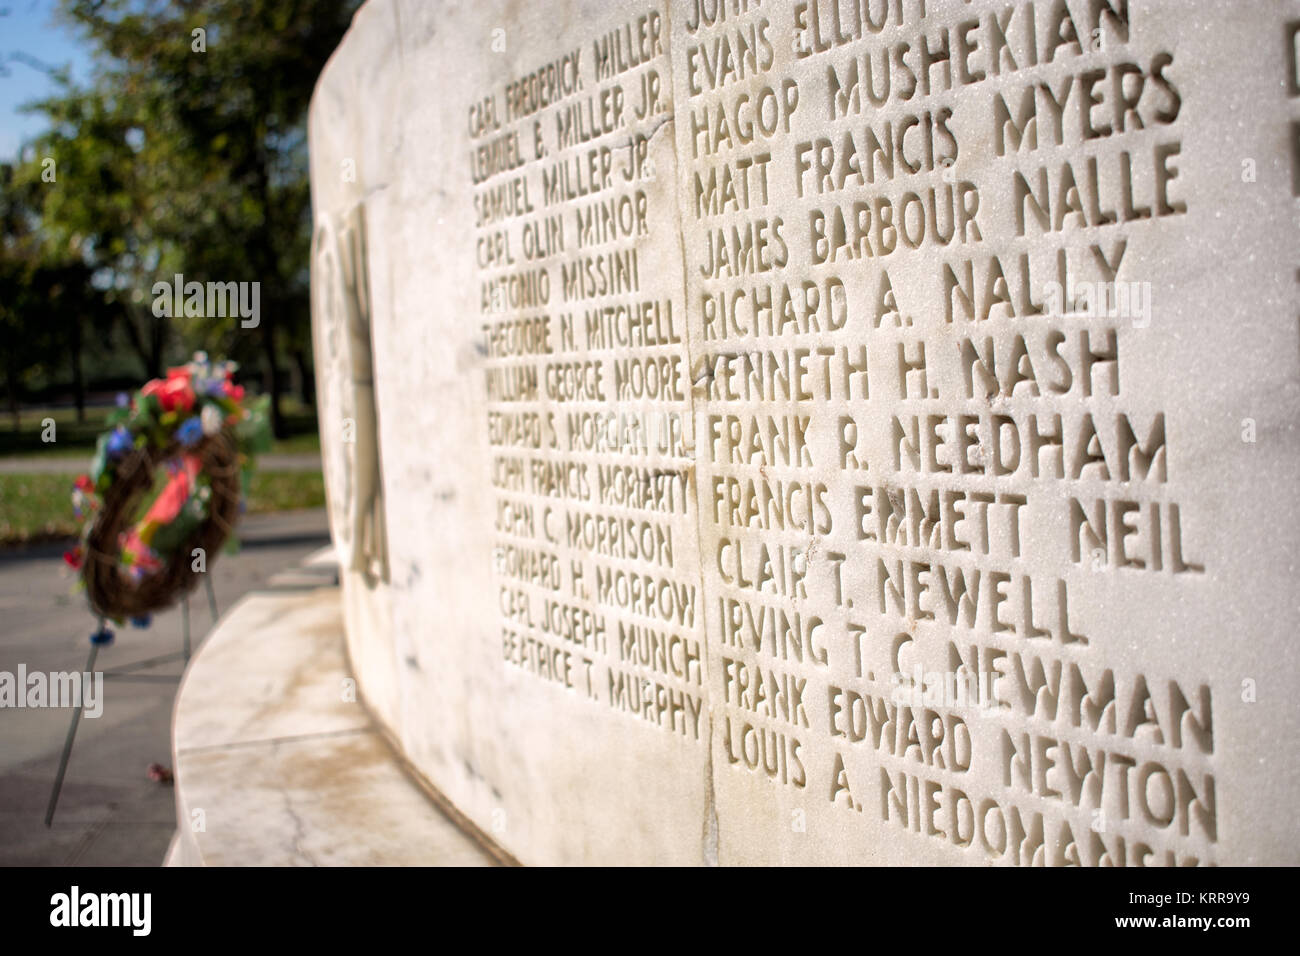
[(112, 593)]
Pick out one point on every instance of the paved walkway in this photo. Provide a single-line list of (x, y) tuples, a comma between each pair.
[(69, 465), (110, 812)]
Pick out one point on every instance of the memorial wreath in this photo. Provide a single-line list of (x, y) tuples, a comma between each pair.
[(165, 488)]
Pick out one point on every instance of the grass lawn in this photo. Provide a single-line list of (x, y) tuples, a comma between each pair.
[(39, 507)]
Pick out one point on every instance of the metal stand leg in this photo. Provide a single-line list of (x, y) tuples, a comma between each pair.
[(104, 636), (67, 744), (212, 598)]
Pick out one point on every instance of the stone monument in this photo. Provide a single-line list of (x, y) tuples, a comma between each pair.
[(821, 431)]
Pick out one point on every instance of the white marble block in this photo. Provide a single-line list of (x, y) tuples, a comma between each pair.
[(833, 431)]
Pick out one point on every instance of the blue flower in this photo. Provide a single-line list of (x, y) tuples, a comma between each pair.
[(142, 620), (191, 432), (119, 442), (102, 636), (123, 400)]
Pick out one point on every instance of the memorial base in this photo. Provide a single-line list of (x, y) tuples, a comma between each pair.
[(278, 762)]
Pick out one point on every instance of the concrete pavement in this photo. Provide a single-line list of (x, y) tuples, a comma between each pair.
[(110, 812)]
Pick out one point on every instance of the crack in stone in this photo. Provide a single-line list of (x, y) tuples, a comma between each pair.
[(299, 829)]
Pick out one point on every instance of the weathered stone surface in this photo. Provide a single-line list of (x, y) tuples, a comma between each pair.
[(821, 432), (278, 764)]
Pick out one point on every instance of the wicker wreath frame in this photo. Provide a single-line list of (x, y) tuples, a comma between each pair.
[(111, 590)]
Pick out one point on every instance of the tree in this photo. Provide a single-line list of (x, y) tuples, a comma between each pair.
[(187, 154), (18, 258), (109, 203), (48, 298)]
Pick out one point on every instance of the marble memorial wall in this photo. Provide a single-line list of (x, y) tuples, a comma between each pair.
[(844, 431)]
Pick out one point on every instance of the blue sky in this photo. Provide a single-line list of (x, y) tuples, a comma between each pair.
[(28, 30)]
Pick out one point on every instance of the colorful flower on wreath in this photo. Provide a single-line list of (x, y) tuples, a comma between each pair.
[(191, 431), (83, 496), (210, 419), (167, 506), (175, 393), (119, 442), (73, 558), (139, 558)]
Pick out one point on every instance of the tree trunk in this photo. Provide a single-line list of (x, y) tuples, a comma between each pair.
[(78, 380), (11, 380), (273, 379), (264, 257), (306, 380), (146, 346), (157, 346)]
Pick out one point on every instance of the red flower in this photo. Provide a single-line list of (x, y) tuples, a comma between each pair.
[(85, 484), (173, 393), (175, 493), (73, 558), (234, 392)]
